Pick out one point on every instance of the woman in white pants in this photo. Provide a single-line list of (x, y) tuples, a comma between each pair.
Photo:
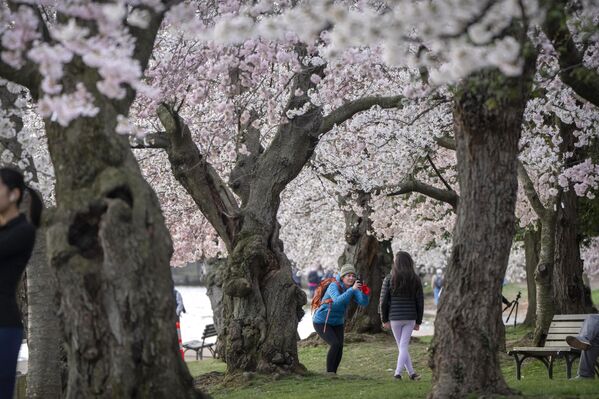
[(401, 308)]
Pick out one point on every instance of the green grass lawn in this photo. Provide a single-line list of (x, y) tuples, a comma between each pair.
[(366, 372), (595, 295)]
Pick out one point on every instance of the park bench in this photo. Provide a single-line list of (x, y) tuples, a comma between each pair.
[(555, 345), (198, 346)]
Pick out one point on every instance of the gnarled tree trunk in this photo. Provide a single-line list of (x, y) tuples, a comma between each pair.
[(469, 331), (110, 250), (372, 259)]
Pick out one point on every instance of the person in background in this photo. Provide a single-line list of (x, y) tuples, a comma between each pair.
[(437, 284), (17, 238), (329, 317), (314, 279), (179, 300), (402, 308)]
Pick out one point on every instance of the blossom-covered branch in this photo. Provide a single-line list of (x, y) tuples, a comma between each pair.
[(583, 80)]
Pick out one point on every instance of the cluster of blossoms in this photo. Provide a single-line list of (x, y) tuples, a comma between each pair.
[(107, 48)]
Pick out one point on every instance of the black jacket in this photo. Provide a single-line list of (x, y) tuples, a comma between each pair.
[(400, 306), (16, 244)]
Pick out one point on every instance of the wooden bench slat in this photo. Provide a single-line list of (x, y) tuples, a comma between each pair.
[(557, 337), (555, 343), (580, 317), (564, 330), (541, 351), (566, 324)]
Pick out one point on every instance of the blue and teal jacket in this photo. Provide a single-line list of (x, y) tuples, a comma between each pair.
[(341, 298)]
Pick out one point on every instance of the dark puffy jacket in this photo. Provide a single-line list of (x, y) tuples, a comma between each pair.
[(400, 306)]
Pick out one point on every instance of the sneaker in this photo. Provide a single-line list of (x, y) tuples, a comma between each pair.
[(397, 376), (580, 378), (578, 343), (415, 377)]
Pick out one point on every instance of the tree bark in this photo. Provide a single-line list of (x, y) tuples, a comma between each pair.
[(214, 284), (44, 337), (544, 270), (372, 259), (568, 286), (544, 277), (532, 247), (37, 293), (469, 331)]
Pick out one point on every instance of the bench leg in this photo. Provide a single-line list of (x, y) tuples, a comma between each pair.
[(550, 367), (518, 365), (569, 361)]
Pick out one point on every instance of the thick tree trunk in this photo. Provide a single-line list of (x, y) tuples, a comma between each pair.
[(469, 331), (45, 335), (110, 250), (544, 276), (262, 306), (372, 259), (568, 287), (214, 285), (532, 247)]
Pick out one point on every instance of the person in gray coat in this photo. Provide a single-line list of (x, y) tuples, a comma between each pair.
[(402, 308)]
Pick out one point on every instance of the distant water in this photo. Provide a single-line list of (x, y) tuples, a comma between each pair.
[(198, 315)]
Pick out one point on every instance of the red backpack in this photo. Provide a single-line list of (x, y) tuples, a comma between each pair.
[(321, 290)]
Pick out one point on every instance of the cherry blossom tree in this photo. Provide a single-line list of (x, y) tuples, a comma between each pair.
[(107, 243)]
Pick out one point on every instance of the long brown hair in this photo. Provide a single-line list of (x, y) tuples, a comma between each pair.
[(404, 280)]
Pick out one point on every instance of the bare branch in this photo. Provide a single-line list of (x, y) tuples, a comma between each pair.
[(412, 185), (346, 111), (446, 142), (531, 193), (152, 140), (428, 157)]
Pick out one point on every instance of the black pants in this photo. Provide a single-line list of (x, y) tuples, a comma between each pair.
[(334, 337)]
